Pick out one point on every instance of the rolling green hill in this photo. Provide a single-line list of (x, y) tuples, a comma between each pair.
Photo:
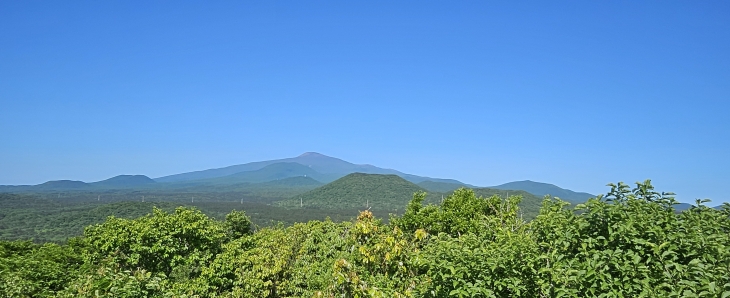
[(359, 190), (391, 192), (124, 181)]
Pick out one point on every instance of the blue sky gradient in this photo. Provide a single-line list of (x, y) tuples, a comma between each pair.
[(574, 93)]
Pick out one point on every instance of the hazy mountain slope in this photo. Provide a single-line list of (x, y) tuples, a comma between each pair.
[(298, 181), (442, 187), (61, 185), (270, 191), (316, 161), (272, 172), (124, 181), (332, 168), (541, 189)]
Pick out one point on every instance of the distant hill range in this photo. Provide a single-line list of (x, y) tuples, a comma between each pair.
[(124, 181), (285, 176), (392, 192), (117, 182), (326, 168), (543, 189)]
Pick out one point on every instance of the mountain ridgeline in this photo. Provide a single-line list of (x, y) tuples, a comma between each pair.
[(326, 168), (543, 189), (280, 178), (283, 181), (310, 186)]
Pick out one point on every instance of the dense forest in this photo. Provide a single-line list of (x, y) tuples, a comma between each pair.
[(33, 217), (59, 215), (628, 243)]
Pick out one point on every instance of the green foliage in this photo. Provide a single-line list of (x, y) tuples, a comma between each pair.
[(630, 243), (160, 242), (26, 217), (109, 280), (277, 262), (634, 244), (237, 224), (529, 204), (460, 213), (28, 269), (31, 217)]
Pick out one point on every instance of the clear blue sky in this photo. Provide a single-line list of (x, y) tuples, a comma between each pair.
[(574, 93)]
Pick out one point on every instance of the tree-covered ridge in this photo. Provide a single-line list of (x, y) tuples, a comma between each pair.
[(391, 193), (629, 243), (358, 190)]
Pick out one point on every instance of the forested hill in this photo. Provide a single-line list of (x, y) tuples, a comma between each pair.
[(358, 190), (391, 192)]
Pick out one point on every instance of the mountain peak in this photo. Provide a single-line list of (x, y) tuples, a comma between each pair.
[(312, 154), (126, 181)]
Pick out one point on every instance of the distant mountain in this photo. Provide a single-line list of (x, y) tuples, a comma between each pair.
[(121, 181), (443, 187), (329, 168), (542, 189), (62, 185), (359, 190), (124, 181), (271, 172), (272, 179), (298, 181)]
